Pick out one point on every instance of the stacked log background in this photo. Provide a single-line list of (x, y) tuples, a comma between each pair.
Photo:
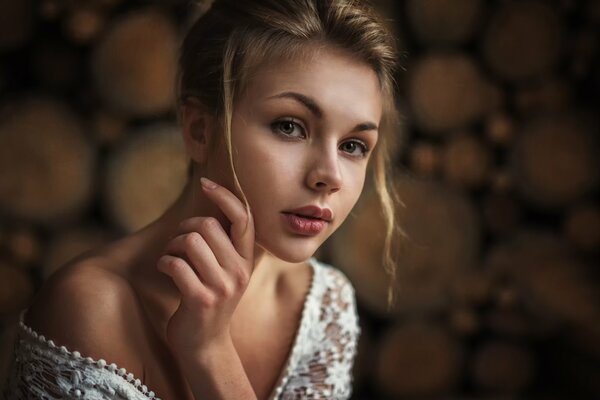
[(497, 173)]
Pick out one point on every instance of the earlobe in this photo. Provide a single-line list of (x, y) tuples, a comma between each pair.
[(196, 126)]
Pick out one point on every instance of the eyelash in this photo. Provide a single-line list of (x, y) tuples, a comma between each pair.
[(275, 127)]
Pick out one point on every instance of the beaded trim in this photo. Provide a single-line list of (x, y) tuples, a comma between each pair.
[(122, 372), (129, 377)]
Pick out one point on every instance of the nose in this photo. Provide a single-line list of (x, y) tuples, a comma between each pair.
[(324, 174)]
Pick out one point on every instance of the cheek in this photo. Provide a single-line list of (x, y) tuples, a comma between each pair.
[(355, 196), (264, 173), (353, 190), (355, 181), (263, 160)]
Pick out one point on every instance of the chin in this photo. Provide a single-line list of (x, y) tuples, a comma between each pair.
[(294, 250)]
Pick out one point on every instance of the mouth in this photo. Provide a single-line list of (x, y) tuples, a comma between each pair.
[(304, 225), (312, 212), (305, 216)]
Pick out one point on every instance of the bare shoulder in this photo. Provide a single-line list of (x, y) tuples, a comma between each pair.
[(89, 309)]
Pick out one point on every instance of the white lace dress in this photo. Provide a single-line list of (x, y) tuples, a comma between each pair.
[(319, 365)]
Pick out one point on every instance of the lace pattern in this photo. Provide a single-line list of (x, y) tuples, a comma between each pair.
[(43, 370), (319, 365)]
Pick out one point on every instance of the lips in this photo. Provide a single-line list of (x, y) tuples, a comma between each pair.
[(314, 212)]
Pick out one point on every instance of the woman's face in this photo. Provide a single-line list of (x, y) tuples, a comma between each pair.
[(302, 135)]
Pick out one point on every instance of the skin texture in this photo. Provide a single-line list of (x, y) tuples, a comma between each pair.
[(287, 154), (316, 163), (200, 265), (301, 134)]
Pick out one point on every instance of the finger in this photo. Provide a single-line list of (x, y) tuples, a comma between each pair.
[(217, 239), (242, 224), (182, 275), (194, 248)]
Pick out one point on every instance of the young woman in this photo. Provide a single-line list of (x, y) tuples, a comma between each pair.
[(284, 107)]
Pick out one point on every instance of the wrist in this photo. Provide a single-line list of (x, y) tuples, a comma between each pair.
[(214, 352), (216, 372)]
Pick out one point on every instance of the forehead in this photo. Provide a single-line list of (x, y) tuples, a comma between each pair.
[(331, 77)]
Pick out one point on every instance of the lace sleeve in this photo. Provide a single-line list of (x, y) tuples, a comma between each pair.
[(325, 371), (42, 370)]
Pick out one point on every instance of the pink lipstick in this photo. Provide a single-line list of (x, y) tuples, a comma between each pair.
[(308, 220)]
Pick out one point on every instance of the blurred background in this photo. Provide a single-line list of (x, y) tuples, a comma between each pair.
[(497, 170)]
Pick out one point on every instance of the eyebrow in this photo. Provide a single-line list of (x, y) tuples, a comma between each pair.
[(314, 108)]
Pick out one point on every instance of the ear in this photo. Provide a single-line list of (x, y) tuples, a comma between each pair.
[(197, 126)]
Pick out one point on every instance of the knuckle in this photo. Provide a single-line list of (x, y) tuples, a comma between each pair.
[(209, 223), (242, 278), (192, 239), (204, 299), (223, 289), (244, 218), (175, 263)]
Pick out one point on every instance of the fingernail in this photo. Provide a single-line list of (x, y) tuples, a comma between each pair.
[(207, 183)]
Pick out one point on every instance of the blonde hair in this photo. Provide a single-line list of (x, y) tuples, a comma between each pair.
[(224, 47)]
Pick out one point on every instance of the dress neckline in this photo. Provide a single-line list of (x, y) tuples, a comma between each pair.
[(284, 375), (302, 326)]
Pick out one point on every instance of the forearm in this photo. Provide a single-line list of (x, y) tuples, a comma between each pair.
[(217, 374)]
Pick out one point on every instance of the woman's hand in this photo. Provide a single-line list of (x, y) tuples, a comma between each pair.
[(211, 271)]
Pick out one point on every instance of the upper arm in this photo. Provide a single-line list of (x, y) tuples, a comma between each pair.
[(92, 311)]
